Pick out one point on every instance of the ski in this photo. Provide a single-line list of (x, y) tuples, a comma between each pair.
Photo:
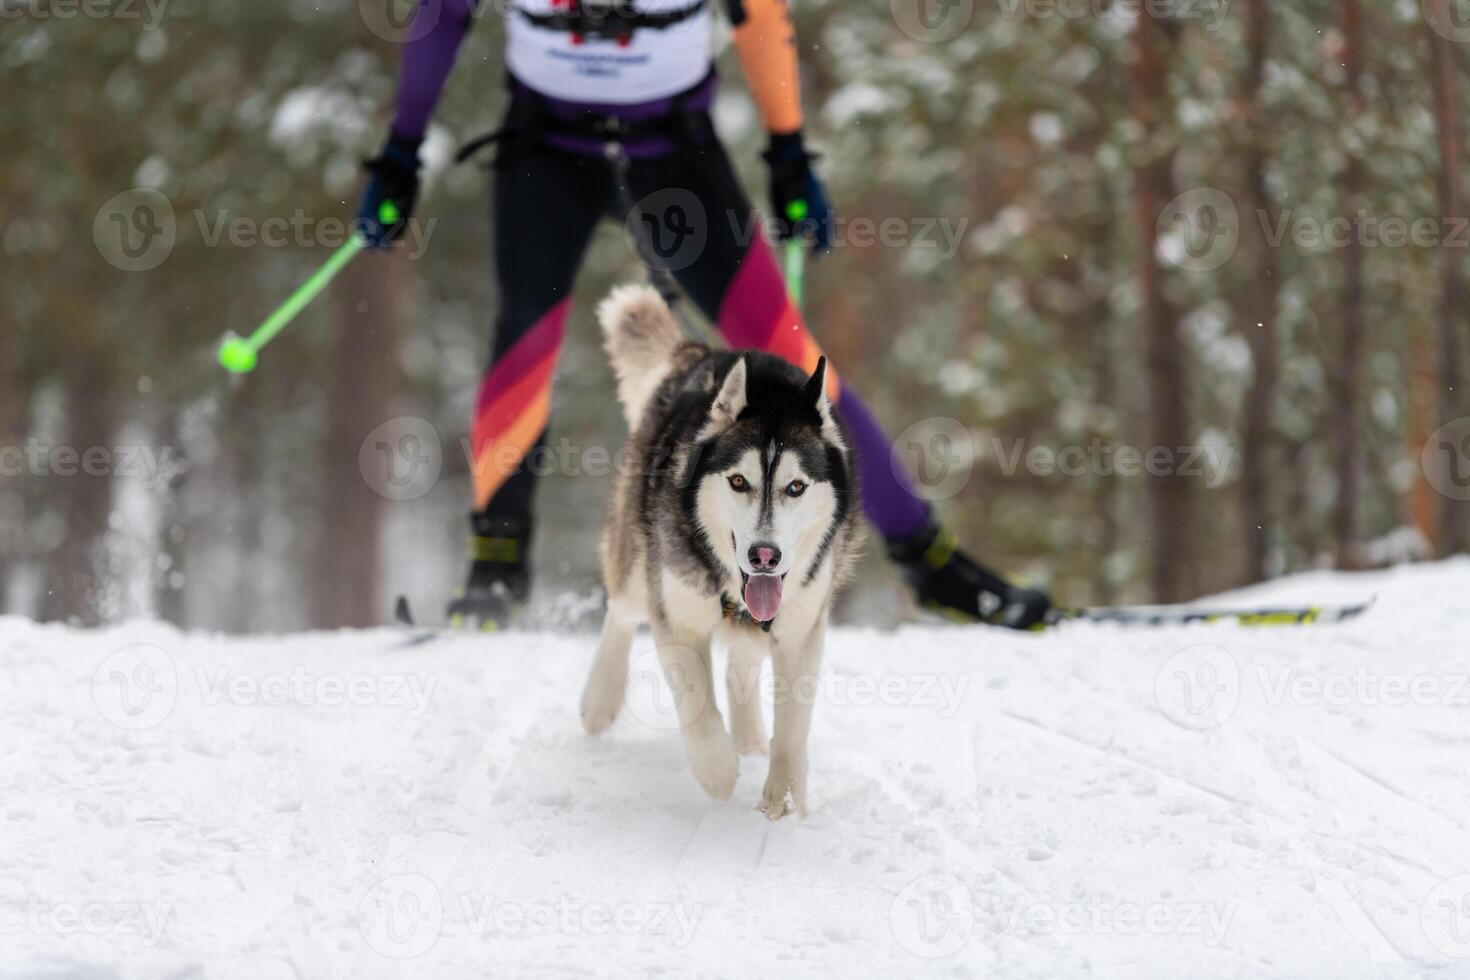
[(425, 632), (403, 616), (1182, 615)]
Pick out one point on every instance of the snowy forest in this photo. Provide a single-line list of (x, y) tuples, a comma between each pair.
[(1076, 239)]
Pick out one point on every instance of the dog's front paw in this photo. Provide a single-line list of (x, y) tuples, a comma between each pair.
[(787, 777), (716, 763), (602, 699)]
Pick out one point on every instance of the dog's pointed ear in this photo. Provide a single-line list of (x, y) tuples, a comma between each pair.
[(729, 400), (816, 385), (816, 393)]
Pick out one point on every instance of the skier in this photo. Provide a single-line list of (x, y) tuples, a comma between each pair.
[(609, 103)]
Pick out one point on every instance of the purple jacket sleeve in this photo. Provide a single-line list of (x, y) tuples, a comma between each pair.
[(434, 36)]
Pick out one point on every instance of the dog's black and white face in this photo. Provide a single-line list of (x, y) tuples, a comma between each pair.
[(772, 486)]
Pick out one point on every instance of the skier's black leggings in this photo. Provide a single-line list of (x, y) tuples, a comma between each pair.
[(547, 203)]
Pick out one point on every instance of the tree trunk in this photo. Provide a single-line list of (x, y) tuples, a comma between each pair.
[(14, 410), (1256, 458), (1454, 523), (75, 576), (168, 589), (1168, 493), (372, 304), (1347, 412)]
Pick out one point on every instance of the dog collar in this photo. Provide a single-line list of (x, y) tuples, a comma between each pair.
[(731, 609)]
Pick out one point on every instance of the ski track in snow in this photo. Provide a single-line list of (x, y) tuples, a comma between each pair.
[(983, 804)]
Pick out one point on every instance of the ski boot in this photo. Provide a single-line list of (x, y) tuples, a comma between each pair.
[(948, 581), (500, 575)]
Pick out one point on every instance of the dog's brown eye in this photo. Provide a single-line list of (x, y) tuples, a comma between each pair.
[(795, 488), (738, 484)]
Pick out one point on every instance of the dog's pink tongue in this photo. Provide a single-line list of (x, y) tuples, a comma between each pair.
[(763, 596)]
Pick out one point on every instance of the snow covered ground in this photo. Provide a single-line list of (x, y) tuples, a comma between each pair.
[(1197, 801)]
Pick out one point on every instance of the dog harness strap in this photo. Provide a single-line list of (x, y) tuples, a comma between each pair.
[(603, 20)]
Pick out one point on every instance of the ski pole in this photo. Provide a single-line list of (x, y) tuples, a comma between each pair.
[(238, 354), (796, 212)]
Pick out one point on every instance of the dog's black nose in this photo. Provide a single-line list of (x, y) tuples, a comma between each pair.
[(764, 557)]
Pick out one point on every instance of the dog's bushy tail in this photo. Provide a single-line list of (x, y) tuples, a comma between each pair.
[(640, 336)]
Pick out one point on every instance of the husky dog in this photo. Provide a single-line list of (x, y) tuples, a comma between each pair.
[(736, 519)]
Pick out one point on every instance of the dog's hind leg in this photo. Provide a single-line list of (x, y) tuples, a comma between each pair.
[(712, 755), (743, 683), (607, 683)]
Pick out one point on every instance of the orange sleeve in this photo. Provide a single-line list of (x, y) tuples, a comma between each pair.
[(766, 44)]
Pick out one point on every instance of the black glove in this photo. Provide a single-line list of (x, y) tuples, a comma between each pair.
[(797, 195), (392, 190)]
